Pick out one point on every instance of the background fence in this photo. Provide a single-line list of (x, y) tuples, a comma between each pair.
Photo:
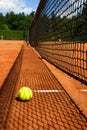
[(12, 35), (59, 33)]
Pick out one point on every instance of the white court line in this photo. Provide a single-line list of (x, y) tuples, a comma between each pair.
[(48, 91), (83, 90)]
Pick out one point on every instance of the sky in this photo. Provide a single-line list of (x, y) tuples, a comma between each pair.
[(18, 6)]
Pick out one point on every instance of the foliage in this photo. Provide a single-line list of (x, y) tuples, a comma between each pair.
[(15, 26), (12, 34), (4, 27), (16, 21), (68, 27)]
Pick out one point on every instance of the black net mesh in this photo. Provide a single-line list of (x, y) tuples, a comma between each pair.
[(59, 31), (46, 110)]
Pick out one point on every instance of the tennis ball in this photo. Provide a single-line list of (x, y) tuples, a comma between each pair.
[(25, 93)]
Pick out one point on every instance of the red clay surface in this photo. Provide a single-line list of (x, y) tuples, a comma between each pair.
[(45, 111), (9, 51)]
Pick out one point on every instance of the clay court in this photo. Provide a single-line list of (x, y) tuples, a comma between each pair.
[(57, 103)]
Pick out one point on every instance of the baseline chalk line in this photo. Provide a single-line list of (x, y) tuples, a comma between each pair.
[(83, 90), (48, 91)]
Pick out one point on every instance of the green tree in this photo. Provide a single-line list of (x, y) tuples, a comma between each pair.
[(4, 27), (1, 19), (10, 18), (81, 24)]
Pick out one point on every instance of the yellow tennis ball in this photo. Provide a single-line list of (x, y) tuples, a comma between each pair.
[(25, 93)]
